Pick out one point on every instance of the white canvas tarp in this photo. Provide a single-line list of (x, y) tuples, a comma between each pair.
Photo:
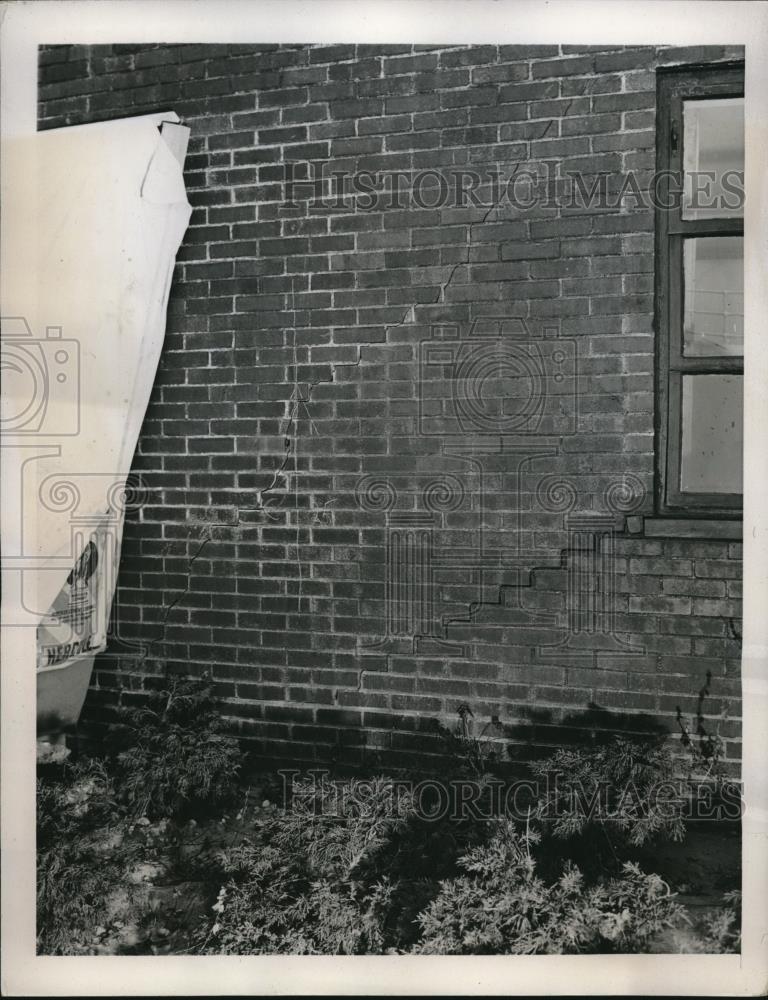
[(94, 235)]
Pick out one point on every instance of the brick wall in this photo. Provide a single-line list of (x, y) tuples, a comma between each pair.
[(318, 493)]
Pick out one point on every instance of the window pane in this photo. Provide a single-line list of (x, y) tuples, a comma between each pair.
[(711, 460), (713, 322), (713, 144)]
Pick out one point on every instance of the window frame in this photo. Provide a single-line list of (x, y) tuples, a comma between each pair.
[(675, 86)]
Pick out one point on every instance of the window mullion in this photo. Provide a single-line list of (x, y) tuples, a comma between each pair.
[(706, 227)]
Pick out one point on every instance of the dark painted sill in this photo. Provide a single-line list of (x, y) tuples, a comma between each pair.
[(679, 527)]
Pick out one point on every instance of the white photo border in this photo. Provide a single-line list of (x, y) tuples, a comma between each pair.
[(24, 26)]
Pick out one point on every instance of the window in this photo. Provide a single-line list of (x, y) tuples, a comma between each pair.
[(700, 291)]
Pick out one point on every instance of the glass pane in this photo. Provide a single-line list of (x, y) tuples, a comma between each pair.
[(713, 158), (713, 323), (711, 460)]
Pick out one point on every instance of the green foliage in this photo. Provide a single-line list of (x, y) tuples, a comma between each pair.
[(501, 906), (75, 798), (271, 906), (354, 867), (305, 884), (177, 760), (628, 788), (468, 755), (76, 877), (722, 928), (329, 877)]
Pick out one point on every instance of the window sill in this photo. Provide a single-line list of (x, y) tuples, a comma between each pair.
[(688, 527)]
